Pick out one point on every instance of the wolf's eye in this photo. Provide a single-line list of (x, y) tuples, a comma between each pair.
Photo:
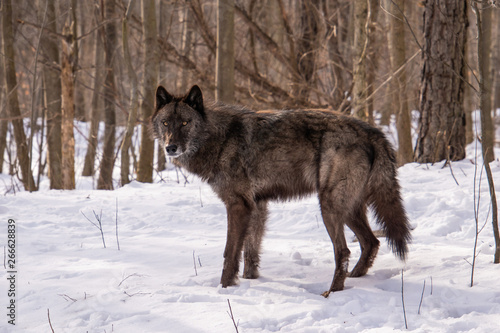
[(165, 123), (184, 123)]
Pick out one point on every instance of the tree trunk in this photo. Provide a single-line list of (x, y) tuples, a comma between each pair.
[(52, 83), (495, 59), (224, 71), (359, 89), (68, 55), (484, 54), (3, 113), (163, 70), (95, 114), (105, 181), (397, 51), (134, 101), (441, 133), (12, 98), (483, 21), (306, 48), (187, 34), (145, 168)]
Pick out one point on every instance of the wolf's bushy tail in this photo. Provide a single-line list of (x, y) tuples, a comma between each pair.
[(385, 198)]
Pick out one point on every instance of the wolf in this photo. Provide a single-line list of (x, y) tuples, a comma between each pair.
[(251, 157)]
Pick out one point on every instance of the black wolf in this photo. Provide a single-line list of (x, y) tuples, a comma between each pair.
[(250, 157)]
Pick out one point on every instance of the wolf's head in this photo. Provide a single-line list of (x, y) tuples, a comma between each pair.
[(178, 121)]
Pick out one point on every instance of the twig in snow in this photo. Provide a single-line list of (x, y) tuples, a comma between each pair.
[(66, 297), (98, 218), (194, 263), (129, 276), (4, 258), (50, 324), (230, 313), (451, 169), (403, 297), (432, 286), (421, 298)]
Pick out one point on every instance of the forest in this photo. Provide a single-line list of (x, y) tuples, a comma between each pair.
[(102, 233), (101, 61)]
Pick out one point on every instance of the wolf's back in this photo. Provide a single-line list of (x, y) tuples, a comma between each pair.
[(386, 199)]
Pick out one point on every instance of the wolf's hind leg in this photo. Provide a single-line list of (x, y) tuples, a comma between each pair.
[(333, 219), (367, 241), (253, 241)]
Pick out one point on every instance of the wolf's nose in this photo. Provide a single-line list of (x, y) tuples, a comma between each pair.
[(171, 149)]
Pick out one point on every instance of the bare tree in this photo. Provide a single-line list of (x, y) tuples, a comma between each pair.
[(483, 14), (52, 82), (483, 22), (134, 100), (69, 58), (95, 115), (224, 78), (3, 114), (145, 167), (359, 90), (105, 181), (12, 97), (397, 51), (441, 133)]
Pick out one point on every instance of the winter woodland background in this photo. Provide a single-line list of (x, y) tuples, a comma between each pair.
[(78, 83)]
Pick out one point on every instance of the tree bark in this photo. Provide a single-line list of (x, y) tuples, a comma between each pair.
[(306, 48), (68, 58), (95, 114), (441, 133), (145, 167), (3, 113), (134, 101), (495, 59), (359, 89), (12, 97), (52, 83), (105, 181), (483, 14), (397, 51), (483, 22), (224, 70)]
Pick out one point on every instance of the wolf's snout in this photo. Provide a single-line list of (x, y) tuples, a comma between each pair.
[(171, 149)]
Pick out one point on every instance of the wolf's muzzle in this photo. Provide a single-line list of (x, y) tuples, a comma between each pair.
[(172, 150)]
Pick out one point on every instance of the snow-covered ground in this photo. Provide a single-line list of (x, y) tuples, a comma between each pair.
[(165, 276)]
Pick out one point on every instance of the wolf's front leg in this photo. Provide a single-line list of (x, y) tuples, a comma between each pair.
[(238, 217), (253, 240)]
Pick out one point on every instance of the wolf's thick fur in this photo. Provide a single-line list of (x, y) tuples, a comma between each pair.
[(249, 158)]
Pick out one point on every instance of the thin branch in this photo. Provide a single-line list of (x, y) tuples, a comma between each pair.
[(403, 297), (232, 316), (421, 298), (194, 263), (50, 324)]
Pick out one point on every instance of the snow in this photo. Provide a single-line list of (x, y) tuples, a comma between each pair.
[(168, 228)]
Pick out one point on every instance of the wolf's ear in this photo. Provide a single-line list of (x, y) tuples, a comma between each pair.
[(194, 99), (162, 97)]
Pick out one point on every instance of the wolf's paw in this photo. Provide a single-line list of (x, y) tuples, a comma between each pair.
[(251, 273)]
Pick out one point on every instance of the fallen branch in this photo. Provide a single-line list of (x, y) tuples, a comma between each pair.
[(403, 297), (232, 317), (98, 218), (50, 324)]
